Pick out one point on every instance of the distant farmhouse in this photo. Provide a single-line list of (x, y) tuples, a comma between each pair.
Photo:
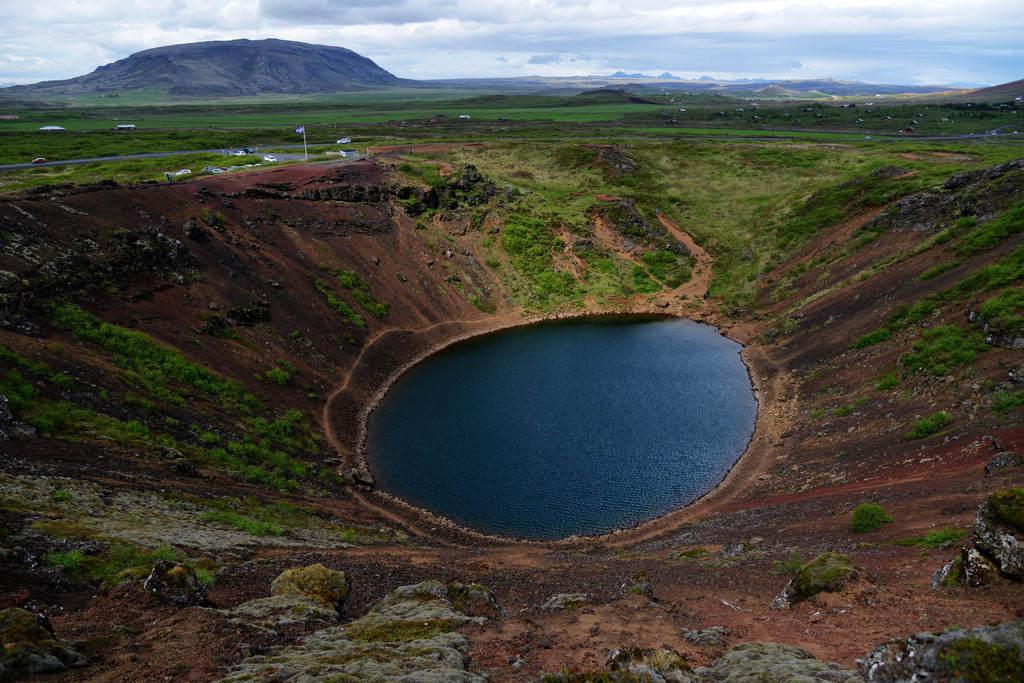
[(9, 117), (125, 126)]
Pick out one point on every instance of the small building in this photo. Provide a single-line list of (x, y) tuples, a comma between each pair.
[(51, 129), (9, 117), (125, 126)]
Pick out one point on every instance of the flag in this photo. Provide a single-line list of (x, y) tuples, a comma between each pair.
[(301, 130)]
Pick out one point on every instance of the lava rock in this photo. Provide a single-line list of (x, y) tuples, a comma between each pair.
[(773, 663), (177, 584), (564, 601), (474, 599), (29, 648), (998, 532), (326, 586), (827, 573), (1002, 461), (248, 315), (989, 653), (713, 636)]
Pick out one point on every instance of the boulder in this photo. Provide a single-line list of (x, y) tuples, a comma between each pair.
[(713, 636), (653, 666), (249, 314), (176, 583), (564, 601), (773, 663), (316, 582), (989, 653), (1003, 460), (474, 599), (827, 573), (969, 568), (29, 648), (999, 530), (408, 636)]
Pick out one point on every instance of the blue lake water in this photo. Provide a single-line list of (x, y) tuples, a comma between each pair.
[(566, 428)]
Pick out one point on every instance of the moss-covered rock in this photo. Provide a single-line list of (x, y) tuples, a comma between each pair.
[(827, 573), (408, 613), (28, 648), (474, 599), (270, 614), (989, 654), (773, 663), (408, 636), (1008, 507), (326, 586), (176, 583), (999, 530), (564, 601)]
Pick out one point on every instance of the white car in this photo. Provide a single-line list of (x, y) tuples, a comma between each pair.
[(183, 171), (344, 141), (239, 153), (269, 157)]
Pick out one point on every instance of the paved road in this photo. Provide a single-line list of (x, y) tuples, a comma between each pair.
[(696, 136), (154, 155)]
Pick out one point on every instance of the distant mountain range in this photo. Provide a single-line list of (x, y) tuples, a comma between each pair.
[(246, 68), (226, 68)]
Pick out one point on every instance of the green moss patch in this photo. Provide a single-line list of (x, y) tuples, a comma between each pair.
[(1008, 506), (397, 631), (978, 661)]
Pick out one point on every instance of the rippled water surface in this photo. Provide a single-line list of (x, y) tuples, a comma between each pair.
[(569, 428)]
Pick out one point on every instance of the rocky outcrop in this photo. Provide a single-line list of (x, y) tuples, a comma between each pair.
[(309, 597), (409, 636), (713, 636), (29, 648), (47, 267), (176, 583), (829, 573), (969, 568), (564, 601), (316, 582), (989, 653), (1003, 460), (625, 218), (980, 194), (998, 541), (773, 663), (999, 530)]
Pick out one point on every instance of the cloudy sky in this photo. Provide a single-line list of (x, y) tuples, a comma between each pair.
[(938, 41)]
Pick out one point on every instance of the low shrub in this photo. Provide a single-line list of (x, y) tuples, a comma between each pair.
[(868, 517), (927, 426)]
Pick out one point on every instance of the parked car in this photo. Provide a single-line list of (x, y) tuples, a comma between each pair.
[(238, 153), (344, 141), (269, 157), (39, 160), (183, 171)]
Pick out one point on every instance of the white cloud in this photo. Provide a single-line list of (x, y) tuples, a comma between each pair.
[(864, 39)]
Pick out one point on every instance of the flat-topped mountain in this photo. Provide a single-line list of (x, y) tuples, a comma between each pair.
[(225, 68)]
